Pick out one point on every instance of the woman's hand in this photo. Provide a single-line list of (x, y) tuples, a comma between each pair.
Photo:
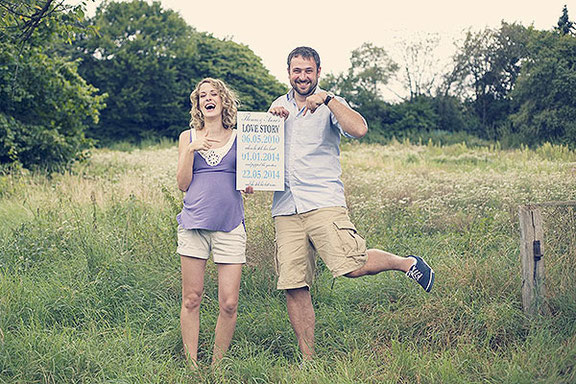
[(202, 143)]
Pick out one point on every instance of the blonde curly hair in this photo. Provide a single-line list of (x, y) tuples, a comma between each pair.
[(230, 104)]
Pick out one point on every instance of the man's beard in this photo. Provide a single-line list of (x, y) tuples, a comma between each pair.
[(311, 88)]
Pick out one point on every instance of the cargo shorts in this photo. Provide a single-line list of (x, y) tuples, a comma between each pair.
[(325, 231)]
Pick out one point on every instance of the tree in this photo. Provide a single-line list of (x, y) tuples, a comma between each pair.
[(418, 65), (20, 19), (370, 70), (240, 68), (486, 69), (147, 59), (545, 94), (420, 115), (45, 105), (565, 26), (144, 58), (362, 86)]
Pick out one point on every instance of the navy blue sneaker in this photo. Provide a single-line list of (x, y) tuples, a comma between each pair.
[(421, 273)]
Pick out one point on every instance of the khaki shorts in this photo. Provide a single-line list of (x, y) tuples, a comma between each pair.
[(226, 247), (327, 231)]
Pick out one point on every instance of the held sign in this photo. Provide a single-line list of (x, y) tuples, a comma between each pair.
[(260, 154)]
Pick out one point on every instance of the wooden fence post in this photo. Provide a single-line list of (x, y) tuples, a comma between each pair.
[(531, 251)]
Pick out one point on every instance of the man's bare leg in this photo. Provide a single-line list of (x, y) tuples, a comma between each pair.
[(301, 314), (380, 261), (414, 267)]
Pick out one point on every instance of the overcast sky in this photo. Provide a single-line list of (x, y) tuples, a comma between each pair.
[(273, 28)]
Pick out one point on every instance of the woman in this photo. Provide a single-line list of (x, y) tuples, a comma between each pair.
[(212, 219)]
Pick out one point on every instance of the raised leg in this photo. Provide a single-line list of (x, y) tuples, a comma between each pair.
[(380, 261)]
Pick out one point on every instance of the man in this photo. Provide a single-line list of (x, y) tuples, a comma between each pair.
[(310, 214)]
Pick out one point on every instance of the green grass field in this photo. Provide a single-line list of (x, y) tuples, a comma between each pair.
[(90, 281)]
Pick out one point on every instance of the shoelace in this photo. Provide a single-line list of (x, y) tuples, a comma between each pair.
[(414, 273)]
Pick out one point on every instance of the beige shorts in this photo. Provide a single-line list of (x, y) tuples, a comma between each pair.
[(327, 231), (226, 247)]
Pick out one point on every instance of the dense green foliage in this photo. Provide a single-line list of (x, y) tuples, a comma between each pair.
[(486, 68), (45, 106), (142, 61), (126, 74), (370, 68), (148, 60), (524, 84), (545, 94), (133, 58), (514, 84), (90, 281)]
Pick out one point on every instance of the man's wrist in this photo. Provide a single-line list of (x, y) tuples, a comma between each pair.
[(328, 98)]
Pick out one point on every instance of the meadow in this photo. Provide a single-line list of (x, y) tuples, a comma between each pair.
[(90, 281)]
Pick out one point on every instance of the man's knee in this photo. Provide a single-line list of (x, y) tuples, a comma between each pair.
[(297, 294), (356, 273)]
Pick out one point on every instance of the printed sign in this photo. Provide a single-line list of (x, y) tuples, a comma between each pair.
[(260, 155)]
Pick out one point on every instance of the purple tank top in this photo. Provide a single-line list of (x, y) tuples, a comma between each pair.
[(212, 201)]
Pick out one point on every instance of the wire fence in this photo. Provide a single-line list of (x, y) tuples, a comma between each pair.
[(559, 253)]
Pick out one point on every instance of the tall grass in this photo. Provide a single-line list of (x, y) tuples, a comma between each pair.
[(90, 281)]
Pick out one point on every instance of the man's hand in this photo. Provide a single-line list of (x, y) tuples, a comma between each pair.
[(249, 189), (279, 111), (314, 101)]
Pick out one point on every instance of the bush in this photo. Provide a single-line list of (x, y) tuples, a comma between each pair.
[(44, 109), (39, 147)]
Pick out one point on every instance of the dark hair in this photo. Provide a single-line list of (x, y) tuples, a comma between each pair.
[(305, 53)]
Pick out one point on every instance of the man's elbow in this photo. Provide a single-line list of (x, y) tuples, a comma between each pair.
[(361, 132)]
